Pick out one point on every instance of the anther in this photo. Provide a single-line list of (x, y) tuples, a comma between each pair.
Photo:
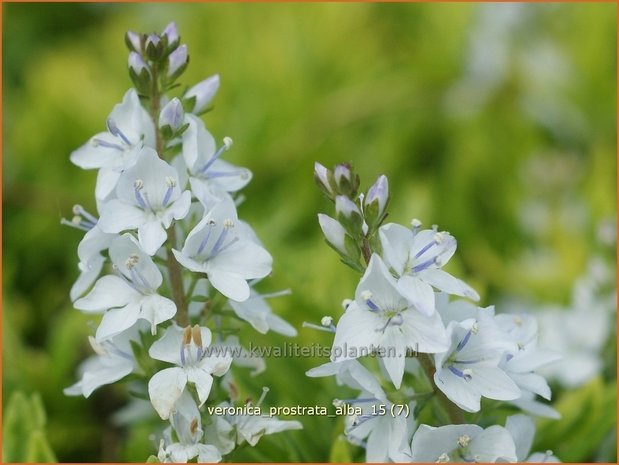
[(338, 403), (443, 458), (463, 441), (346, 303), (196, 335), (326, 321), (132, 261), (265, 390)]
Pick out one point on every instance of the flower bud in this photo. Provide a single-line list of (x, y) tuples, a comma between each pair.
[(337, 238), (177, 62), (375, 202), (346, 181), (171, 118), (324, 179), (349, 215), (199, 96), (139, 72), (171, 34), (153, 47), (133, 41)]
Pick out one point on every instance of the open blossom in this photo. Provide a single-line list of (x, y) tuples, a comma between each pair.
[(470, 368), (462, 443), (522, 430), (187, 424), (417, 258), (209, 175), (113, 361), (130, 295), (381, 317), (129, 129), (257, 312), (187, 349), (148, 199), (224, 252)]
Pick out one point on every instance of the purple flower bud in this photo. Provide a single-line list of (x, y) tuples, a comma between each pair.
[(132, 39), (171, 32), (202, 93), (334, 232), (322, 176), (177, 61), (152, 39), (379, 192), (137, 63), (172, 115)]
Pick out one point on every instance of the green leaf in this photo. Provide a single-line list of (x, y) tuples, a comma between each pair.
[(152, 459)]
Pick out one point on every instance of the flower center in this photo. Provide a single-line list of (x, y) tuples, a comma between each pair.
[(192, 349), (221, 243)]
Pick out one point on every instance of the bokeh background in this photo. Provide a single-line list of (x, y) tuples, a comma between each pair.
[(495, 121)]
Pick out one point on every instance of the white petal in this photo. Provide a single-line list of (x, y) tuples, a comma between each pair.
[(429, 442), (424, 333), (108, 292), (522, 430), (394, 343), (92, 156), (89, 274), (189, 263), (246, 259), (151, 236), (107, 180), (447, 283), (532, 382), (229, 284), (396, 241), (179, 209), (381, 285), (107, 374), (494, 444), (377, 450), (356, 334), (418, 293), (279, 325), (457, 390), (165, 388), (156, 310), (117, 320), (126, 246), (203, 382), (118, 216), (168, 347), (492, 382)]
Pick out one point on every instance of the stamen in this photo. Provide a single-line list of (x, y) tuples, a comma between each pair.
[(217, 154), (132, 260), (111, 126), (367, 296), (319, 328), (464, 341), (475, 328), (79, 226), (206, 238), (466, 373), (426, 248), (326, 321), (187, 336), (443, 458), (338, 403), (196, 335), (79, 210), (265, 390), (107, 145), (424, 265), (228, 224), (463, 441), (171, 183), (138, 185), (346, 303), (138, 278)]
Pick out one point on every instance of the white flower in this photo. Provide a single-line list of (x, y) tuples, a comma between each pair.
[(387, 438), (527, 357), (462, 443), (250, 428), (149, 198), (91, 261), (129, 128), (257, 312), (352, 374), (208, 174), (522, 429), (188, 350), (113, 361), (381, 317), (187, 425), (129, 296), (417, 258), (469, 369), (222, 250)]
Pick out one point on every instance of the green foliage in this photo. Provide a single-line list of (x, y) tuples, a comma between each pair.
[(24, 438), (520, 170)]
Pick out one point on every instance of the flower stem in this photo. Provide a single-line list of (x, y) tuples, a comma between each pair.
[(174, 269), (453, 412)]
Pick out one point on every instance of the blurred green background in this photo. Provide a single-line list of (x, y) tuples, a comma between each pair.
[(495, 121)]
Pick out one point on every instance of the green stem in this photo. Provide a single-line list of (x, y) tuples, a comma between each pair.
[(174, 268), (453, 411), (366, 250)]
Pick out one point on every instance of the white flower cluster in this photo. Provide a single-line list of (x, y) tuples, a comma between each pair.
[(402, 316), (176, 254)]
